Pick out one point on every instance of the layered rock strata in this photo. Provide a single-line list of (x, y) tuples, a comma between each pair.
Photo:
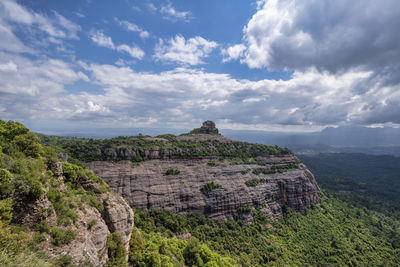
[(148, 187)]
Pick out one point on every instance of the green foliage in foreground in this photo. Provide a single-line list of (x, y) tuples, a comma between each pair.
[(26, 174), (332, 234)]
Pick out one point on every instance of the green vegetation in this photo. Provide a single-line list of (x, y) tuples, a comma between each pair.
[(61, 236), (26, 175), (255, 182), (212, 163), (116, 149), (366, 181), (172, 172), (285, 167), (91, 224), (155, 249), (244, 209), (116, 251), (207, 188), (244, 172), (330, 234)]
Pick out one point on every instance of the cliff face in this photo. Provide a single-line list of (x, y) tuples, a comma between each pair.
[(148, 187)]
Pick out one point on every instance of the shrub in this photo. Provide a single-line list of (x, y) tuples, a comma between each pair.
[(91, 224), (244, 209), (39, 237), (172, 172), (28, 186), (64, 261), (137, 158), (209, 187), (43, 227), (6, 187), (255, 182), (256, 171), (244, 172), (212, 163), (6, 211), (29, 144), (61, 237), (137, 248), (116, 250)]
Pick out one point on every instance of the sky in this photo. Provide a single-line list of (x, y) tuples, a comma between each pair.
[(252, 65)]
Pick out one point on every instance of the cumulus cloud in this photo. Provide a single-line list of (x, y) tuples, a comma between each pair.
[(102, 40), (328, 35), (187, 52), (133, 28), (233, 52)]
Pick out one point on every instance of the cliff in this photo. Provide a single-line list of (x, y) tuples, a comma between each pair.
[(149, 187)]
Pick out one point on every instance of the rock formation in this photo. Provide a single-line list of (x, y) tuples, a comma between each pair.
[(208, 127), (148, 187)]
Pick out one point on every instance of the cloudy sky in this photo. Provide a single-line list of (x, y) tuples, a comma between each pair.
[(271, 65)]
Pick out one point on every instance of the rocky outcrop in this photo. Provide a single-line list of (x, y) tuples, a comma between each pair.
[(119, 217), (148, 187), (208, 127)]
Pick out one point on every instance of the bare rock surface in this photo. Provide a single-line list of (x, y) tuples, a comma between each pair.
[(148, 187)]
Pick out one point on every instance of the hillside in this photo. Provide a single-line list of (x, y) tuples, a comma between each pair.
[(56, 213)]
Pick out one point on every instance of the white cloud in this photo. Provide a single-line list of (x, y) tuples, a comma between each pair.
[(35, 89), (133, 51), (328, 35), (100, 39), (170, 13), (233, 52), (9, 42), (181, 51), (9, 66), (134, 28), (58, 27), (151, 7)]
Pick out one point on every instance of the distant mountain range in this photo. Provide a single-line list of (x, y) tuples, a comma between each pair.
[(360, 139)]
